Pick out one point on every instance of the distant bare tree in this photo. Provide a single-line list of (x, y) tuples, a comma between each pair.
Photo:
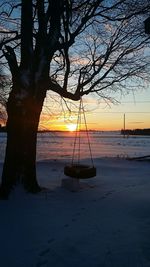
[(73, 48)]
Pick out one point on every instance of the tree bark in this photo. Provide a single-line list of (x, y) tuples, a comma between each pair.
[(20, 158)]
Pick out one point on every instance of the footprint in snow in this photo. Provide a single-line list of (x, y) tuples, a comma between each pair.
[(44, 252)]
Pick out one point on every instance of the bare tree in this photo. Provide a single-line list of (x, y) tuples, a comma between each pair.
[(73, 48)]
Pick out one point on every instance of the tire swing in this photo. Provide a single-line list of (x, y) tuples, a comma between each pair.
[(76, 169)]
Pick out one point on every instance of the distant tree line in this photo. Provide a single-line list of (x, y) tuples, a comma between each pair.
[(136, 131)]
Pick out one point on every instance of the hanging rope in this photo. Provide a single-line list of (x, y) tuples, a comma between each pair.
[(78, 136), (87, 133), (77, 170)]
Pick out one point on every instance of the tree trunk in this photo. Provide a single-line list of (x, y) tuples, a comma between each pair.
[(20, 158)]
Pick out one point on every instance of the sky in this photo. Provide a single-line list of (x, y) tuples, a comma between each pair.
[(132, 111)]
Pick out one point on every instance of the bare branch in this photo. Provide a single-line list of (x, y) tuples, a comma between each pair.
[(12, 61), (26, 34), (83, 45), (55, 87)]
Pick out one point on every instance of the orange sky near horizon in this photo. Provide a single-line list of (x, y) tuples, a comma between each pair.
[(134, 113), (131, 113)]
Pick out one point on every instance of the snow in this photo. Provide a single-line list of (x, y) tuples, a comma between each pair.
[(59, 145), (106, 223)]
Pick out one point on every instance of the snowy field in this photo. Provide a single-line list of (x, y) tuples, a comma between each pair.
[(103, 144), (106, 223), (59, 145)]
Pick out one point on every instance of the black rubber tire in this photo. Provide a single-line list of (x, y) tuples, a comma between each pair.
[(80, 171)]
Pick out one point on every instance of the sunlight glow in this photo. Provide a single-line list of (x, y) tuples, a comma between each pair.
[(71, 127), (99, 116)]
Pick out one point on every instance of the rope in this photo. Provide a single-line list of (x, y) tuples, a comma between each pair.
[(79, 137), (77, 134), (87, 133)]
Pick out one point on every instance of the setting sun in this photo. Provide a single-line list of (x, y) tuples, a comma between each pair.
[(71, 127)]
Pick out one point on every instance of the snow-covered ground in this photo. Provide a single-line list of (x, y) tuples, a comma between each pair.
[(106, 223), (54, 145), (103, 144)]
